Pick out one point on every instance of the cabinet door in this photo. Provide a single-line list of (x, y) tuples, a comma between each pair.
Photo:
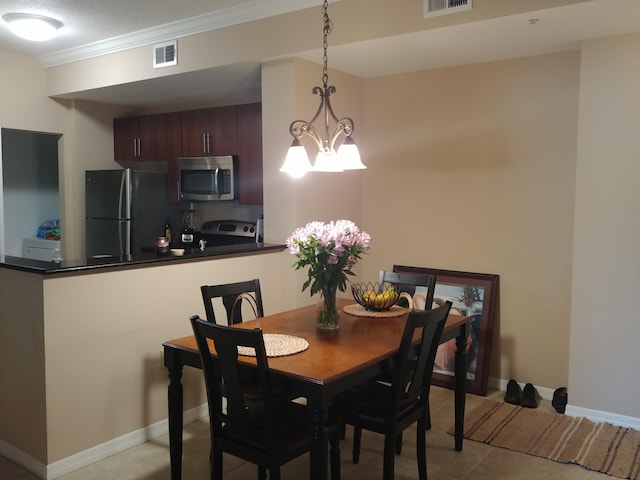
[(140, 138), (152, 130), (211, 131), (125, 138), (250, 154)]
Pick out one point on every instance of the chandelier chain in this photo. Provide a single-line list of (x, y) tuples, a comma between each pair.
[(326, 30)]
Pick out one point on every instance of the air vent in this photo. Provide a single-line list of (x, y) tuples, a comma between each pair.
[(442, 7), (165, 54)]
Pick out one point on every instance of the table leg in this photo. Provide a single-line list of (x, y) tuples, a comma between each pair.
[(461, 385), (175, 414), (318, 454)]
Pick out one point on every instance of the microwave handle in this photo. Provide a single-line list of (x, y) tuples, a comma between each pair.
[(216, 177)]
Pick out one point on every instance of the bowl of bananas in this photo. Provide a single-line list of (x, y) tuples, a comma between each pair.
[(375, 297)]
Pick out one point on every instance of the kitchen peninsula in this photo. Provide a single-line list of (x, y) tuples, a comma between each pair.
[(80, 346)]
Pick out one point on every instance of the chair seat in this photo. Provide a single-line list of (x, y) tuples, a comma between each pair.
[(369, 403), (292, 429)]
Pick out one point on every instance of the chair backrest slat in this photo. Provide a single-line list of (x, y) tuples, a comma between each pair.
[(407, 282), (233, 296)]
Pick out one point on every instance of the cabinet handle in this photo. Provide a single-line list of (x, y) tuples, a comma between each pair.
[(139, 151), (204, 142), (135, 152)]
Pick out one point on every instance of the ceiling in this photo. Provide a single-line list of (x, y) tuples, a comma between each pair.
[(103, 26)]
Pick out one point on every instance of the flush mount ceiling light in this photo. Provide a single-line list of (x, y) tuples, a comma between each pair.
[(347, 157), (36, 28)]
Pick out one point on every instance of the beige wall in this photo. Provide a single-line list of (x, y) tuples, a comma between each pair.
[(472, 169), (22, 369), (603, 373)]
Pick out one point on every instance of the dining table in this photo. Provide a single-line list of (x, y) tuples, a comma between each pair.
[(335, 360)]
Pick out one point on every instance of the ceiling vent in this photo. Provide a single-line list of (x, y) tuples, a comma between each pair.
[(442, 7), (165, 54)]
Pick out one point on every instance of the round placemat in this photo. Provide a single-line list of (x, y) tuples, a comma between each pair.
[(278, 345), (359, 311)]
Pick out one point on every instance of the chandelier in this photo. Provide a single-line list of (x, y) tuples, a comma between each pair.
[(347, 157)]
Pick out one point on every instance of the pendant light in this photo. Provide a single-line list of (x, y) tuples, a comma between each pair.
[(347, 157)]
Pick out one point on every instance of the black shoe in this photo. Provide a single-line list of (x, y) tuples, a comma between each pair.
[(559, 400), (530, 397), (513, 394)]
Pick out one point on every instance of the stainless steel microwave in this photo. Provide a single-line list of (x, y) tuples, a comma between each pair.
[(206, 179)]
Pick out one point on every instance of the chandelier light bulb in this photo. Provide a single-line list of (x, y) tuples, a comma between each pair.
[(35, 28), (296, 164), (328, 161), (350, 155)]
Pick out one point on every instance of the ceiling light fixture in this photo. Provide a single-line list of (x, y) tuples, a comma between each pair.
[(36, 28), (347, 157)]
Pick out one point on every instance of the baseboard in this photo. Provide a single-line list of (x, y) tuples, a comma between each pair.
[(600, 416), (23, 459), (574, 411), (99, 452)]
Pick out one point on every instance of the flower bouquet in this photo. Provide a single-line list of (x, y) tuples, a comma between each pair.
[(330, 250)]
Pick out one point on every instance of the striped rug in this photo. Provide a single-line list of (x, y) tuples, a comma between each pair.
[(601, 447)]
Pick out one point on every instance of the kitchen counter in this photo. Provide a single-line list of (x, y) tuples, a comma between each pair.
[(87, 336), (139, 260)]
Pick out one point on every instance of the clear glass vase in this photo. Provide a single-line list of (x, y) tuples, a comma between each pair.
[(328, 314)]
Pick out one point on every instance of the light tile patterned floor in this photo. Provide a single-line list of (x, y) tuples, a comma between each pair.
[(477, 461)]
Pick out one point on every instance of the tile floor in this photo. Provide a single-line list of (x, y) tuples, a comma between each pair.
[(477, 461)]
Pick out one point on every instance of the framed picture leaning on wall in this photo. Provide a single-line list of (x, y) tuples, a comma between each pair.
[(473, 295)]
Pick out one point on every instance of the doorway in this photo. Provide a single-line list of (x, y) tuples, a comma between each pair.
[(29, 187)]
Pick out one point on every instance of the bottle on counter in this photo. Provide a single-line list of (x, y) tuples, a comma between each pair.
[(168, 230)]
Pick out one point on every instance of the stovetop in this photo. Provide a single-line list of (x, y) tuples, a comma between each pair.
[(228, 232)]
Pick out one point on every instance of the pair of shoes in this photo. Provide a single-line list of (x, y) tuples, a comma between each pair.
[(513, 395), (516, 396), (530, 397), (559, 400)]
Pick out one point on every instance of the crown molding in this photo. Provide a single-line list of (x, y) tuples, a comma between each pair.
[(246, 12)]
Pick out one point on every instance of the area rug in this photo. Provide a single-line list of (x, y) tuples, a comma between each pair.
[(601, 447)]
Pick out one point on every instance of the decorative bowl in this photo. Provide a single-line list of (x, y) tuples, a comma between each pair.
[(375, 297)]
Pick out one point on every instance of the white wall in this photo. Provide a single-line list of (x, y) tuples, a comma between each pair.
[(605, 326)]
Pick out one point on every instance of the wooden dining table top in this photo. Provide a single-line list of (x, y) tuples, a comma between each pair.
[(360, 341)]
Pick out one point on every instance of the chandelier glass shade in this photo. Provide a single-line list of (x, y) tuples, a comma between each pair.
[(36, 28), (347, 157)]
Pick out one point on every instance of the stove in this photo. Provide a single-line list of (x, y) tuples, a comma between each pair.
[(227, 232)]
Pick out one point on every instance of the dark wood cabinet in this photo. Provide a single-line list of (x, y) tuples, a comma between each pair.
[(249, 167), (231, 130), (210, 131), (140, 138)]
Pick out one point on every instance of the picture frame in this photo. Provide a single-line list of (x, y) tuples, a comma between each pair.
[(474, 295)]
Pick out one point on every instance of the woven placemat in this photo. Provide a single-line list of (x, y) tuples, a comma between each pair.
[(278, 345), (359, 311)]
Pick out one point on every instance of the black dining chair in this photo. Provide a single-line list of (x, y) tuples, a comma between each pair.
[(233, 296), (407, 282), (389, 408), (257, 425)]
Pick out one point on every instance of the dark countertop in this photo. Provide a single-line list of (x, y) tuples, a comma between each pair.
[(139, 260)]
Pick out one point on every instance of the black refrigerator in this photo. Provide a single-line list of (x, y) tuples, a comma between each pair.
[(125, 211)]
